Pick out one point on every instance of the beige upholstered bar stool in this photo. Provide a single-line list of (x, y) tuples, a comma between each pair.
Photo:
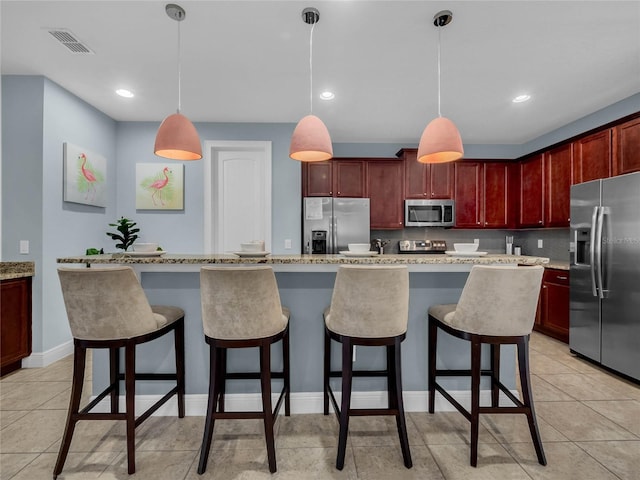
[(497, 306), (241, 309), (369, 306), (107, 308)]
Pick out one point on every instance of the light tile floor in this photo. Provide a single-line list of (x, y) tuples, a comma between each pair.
[(589, 422)]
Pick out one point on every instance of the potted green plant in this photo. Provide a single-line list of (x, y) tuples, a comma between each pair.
[(126, 235)]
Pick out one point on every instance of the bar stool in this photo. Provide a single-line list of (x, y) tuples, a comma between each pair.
[(369, 306), (241, 309), (497, 306), (107, 308)]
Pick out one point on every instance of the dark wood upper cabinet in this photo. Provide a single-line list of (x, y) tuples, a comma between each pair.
[(627, 154), (496, 194), (317, 179), (468, 187), (334, 178), (592, 157), (531, 202), (385, 184), (424, 180), (350, 178), (557, 168)]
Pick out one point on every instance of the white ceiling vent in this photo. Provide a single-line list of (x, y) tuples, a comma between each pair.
[(68, 39)]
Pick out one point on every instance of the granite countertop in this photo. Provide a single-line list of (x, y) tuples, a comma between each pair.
[(178, 259), (558, 264), (10, 270)]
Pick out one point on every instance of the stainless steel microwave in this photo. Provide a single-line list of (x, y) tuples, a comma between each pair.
[(429, 213)]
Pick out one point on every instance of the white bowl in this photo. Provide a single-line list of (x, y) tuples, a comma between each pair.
[(252, 246), (359, 247), (465, 247), (145, 247)]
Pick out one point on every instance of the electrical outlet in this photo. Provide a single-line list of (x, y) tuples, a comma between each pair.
[(539, 243), (354, 354), (24, 247), (287, 243), (476, 240)]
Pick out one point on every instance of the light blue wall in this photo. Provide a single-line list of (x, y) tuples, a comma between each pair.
[(38, 117)]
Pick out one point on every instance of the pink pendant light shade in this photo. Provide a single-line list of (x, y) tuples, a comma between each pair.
[(440, 142), (310, 141), (178, 139)]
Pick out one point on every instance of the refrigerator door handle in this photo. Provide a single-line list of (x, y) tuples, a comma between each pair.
[(598, 251), (592, 248), (603, 272)]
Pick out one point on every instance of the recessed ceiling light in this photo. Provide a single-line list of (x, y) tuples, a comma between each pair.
[(521, 98), (123, 92), (327, 95)]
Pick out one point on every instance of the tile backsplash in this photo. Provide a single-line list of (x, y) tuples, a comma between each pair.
[(555, 241)]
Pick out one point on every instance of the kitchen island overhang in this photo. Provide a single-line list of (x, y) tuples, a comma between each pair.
[(305, 283)]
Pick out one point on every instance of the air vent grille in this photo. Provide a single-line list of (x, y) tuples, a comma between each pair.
[(68, 39)]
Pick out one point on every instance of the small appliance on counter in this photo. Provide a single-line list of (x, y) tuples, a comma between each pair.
[(422, 246)]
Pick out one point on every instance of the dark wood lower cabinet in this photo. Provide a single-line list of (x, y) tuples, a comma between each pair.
[(553, 308), (15, 323)]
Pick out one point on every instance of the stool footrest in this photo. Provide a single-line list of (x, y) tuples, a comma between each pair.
[(151, 376), (250, 375), (363, 412), (360, 373)]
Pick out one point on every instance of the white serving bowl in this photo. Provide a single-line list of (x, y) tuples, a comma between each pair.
[(359, 247), (145, 247), (252, 246), (465, 247)]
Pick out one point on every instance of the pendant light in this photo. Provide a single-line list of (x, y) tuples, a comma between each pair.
[(440, 142), (177, 138), (310, 141)]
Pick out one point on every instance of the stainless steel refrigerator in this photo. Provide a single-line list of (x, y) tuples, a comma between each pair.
[(605, 272), (329, 224)]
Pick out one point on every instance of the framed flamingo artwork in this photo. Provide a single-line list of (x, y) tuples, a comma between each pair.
[(85, 176), (159, 186)]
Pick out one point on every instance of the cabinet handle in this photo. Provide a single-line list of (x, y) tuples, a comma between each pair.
[(539, 221), (561, 277), (425, 194), (338, 193)]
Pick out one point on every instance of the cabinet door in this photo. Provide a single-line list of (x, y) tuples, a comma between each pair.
[(415, 175), (531, 199), (627, 156), (557, 166), (555, 304), (592, 157), (496, 195), (440, 177), (468, 194), (15, 322), (349, 178), (317, 179), (385, 184)]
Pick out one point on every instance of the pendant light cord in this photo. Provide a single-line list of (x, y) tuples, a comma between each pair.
[(179, 70), (313, 25), (439, 30)]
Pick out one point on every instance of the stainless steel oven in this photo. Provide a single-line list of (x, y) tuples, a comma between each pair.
[(429, 213)]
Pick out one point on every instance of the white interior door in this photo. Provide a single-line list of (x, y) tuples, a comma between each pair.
[(237, 195)]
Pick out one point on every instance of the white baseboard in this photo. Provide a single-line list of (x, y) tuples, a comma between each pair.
[(303, 402), (43, 359)]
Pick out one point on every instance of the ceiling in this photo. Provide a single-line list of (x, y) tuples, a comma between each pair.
[(248, 61)]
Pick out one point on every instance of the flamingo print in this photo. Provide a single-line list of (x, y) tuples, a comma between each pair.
[(88, 176), (158, 185)]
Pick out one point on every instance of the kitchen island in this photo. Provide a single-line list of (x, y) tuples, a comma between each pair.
[(306, 284)]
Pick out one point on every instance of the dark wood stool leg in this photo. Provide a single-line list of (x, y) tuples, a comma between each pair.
[(179, 350), (114, 371), (327, 369), (265, 383), (215, 356), (495, 375), (79, 363), (527, 397), (476, 349), (431, 377), (286, 367), (222, 377), (130, 394), (345, 404), (396, 373)]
